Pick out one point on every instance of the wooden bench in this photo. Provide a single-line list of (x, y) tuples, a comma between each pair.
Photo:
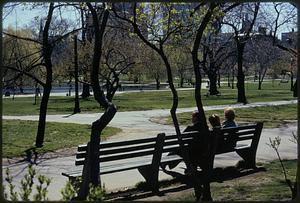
[(242, 139), (142, 154), (148, 154)]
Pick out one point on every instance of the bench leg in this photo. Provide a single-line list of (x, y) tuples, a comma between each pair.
[(151, 177), (249, 157)]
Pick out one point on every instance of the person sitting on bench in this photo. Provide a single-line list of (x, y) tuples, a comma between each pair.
[(199, 148), (196, 123), (214, 120), (229, 116)]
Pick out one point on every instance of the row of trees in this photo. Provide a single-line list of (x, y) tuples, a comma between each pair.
[(138, 38)]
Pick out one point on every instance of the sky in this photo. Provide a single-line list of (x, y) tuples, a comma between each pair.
[(20, 17)]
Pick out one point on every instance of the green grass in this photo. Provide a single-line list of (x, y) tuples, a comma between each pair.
[(262, 186), (18, 136), (272, 116), (132, 101)]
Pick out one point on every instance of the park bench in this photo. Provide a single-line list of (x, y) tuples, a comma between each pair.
[(243, 140), (142, 154), (148, 154)]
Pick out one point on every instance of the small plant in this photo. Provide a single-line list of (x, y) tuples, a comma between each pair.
[(96, 193), (275, 145), (27, 183), (13, 194), (71, 189), (26, 186), (42, 188)]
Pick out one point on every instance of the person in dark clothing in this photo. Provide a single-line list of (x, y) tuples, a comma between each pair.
[(196, 123), (199, 148)]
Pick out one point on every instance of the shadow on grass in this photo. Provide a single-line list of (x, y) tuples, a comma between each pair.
[(179, 183)]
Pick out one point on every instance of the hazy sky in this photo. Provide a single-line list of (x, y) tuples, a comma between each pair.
[(21, 17)]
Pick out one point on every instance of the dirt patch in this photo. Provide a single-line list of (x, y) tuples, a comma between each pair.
[(159, 120)]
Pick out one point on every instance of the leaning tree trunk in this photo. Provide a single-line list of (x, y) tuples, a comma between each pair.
[(91, 170), (240, 75), (196, 64), (42, 116), (47, 52)]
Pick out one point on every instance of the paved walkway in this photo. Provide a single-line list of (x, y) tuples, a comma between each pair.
[(136, 124)]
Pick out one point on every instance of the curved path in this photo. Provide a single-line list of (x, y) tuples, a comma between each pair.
[(136, 124)]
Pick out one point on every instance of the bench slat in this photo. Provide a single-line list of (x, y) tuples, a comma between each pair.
[(118, 150), (104, 145), (118, 157), (116, 167)]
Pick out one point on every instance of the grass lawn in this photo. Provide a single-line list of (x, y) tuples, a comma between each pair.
[(18, 136), (266, 185), (272, 116), (132, 101)]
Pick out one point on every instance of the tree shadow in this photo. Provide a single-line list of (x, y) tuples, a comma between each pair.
[(67, 116), (181, 182), (31, 156)]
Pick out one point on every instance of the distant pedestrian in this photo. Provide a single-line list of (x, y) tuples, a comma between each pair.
[(229, 116), (37, 91)]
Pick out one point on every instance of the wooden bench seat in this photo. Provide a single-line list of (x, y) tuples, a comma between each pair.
[(148, 154), (142, 154)]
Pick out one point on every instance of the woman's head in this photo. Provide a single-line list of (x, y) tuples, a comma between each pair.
[(214, 120), (229, 114)]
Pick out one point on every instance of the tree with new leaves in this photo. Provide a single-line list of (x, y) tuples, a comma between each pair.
[(163, 24), (44, 63), (241, 20)]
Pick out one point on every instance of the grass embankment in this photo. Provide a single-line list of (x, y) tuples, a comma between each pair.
[(272, 116), (18, 136), (267, 185), (132, 101)]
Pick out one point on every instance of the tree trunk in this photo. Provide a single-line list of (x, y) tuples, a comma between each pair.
[(295, 89), (240, 75), (232, 79), (47, 52), (292, 81), (91, 170), (76, 108), (42, 116), (85, 90), (212, 76), (228, 79), (181, 82), (196, 64), (259, 85), (219, 78), (157, 83)]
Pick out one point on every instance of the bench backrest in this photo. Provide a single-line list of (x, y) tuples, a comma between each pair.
[(226, 138), (112, 151)]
